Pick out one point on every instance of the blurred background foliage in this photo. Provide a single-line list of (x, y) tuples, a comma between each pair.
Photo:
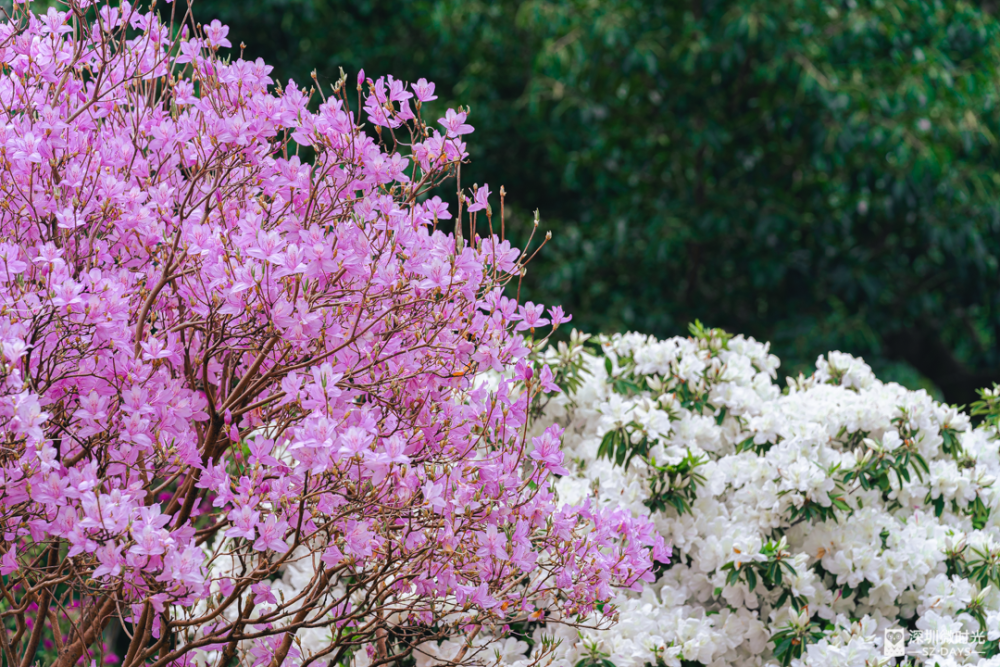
[(820, 174)]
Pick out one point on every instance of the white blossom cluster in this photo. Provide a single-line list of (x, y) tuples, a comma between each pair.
[(805, 520)]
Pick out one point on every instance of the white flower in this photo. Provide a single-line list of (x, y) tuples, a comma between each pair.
[(777, 467)]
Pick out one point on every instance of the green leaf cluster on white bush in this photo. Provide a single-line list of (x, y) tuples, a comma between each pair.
[(805, 519)]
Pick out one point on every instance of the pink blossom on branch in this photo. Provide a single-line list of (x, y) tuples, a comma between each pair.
[(480, 199), (224, 367)]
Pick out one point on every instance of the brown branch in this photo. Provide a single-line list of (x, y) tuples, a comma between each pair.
[(74, 651), (43, 610)]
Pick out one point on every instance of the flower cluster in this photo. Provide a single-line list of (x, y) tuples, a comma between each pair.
[(805, 520), (239, 409)]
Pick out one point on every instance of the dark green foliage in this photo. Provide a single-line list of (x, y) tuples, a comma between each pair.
[(594, 661), (875, 471), (676, 485), (767, 572), (984, 567), (819, 174), (790, 642), (988, 407), (813, 511)]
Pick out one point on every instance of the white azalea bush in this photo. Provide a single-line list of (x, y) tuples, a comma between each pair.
[(805, 520)]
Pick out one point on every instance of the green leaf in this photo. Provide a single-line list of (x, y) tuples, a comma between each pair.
[(623, 445), (607, 444)]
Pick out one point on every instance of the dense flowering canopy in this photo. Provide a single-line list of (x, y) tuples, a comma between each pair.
[(805, 520), (240, 410)]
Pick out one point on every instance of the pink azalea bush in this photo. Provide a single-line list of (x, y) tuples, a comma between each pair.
[(256, 407)]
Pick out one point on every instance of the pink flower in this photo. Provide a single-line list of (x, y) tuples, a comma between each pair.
[(260, 452), (11, 261), (661, 551), (492, 543), (272, 535), (14, 350), (424, 90), (284, 351), (433, 496), (262, 593), (547, 381), (111, 561), (354, 442), (244, 522), (548, 450), (500, 254), (183, 566), (397, 90), (454, 123), (149, 541), (524, 372), (437, 208), (359, 539), (480, 202), (332, 557), (530, 316), (481, 597), (216, 34), (154, 349), (439, 276), (558, 317), (379, 463), (8, 564)]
